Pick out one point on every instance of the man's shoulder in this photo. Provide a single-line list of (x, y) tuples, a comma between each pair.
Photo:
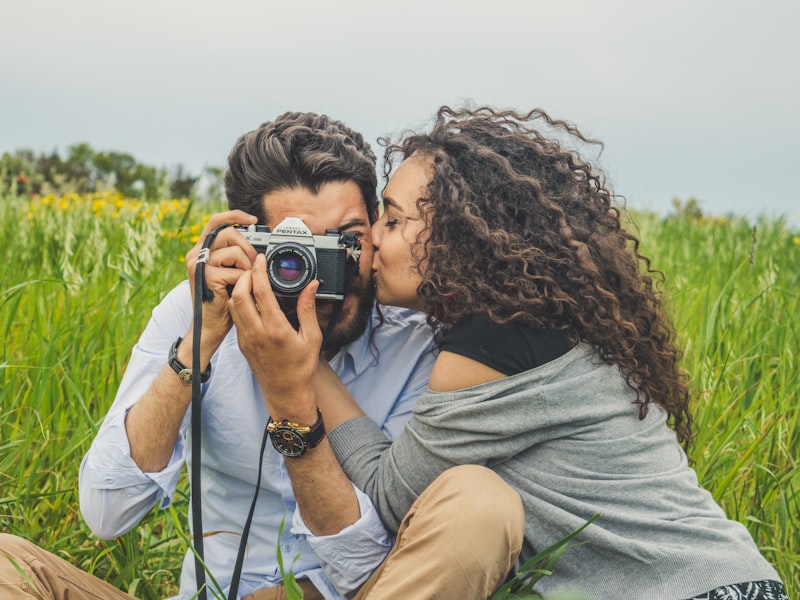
[(176, 301)]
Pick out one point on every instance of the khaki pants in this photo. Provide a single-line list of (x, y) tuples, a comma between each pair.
[(56, 579), (278, 593), (52, 576), (459, 540)]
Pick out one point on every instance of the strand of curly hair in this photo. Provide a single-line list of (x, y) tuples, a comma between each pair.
[(523, 229)]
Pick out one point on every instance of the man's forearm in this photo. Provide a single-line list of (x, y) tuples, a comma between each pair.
[(324, 494), (323, 491), (153, 423)]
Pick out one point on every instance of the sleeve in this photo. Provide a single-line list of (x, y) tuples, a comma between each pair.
[(348, 557), (114, 493)]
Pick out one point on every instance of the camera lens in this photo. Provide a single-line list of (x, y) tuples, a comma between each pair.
[(290, 266)]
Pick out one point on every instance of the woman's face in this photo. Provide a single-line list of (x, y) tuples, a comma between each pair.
[(394, 234)]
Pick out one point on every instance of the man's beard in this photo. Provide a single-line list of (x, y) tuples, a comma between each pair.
[(351, 324)]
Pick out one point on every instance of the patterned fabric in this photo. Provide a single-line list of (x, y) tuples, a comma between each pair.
[(749, 590)]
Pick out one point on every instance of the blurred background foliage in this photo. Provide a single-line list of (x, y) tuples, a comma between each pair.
[(84, 170)]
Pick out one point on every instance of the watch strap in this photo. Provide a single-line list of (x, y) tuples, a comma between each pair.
[(184, 372)]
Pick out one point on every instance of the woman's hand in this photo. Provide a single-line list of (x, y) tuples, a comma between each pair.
[(283, 359)]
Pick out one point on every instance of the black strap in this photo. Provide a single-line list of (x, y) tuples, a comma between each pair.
[(201, 291), (237, 570)]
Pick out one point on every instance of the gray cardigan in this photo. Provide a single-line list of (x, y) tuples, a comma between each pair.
[(567, 437)]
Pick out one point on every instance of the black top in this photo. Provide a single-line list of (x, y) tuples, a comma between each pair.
[(511, 348)]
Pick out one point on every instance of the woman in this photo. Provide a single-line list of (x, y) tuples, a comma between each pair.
[(557, 367)]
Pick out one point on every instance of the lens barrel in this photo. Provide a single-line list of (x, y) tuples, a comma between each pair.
[(290, 267)]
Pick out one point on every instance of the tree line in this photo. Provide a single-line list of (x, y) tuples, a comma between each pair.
[(85, 170)]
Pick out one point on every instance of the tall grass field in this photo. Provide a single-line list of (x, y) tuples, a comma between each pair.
[(80, 274)]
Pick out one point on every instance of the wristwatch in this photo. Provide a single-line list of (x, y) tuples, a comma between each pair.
[(292, 440), (184, 373)]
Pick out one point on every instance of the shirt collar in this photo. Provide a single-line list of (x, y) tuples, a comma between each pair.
[(358, 354)]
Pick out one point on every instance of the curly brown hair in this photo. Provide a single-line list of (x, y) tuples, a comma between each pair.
[(519, 227)]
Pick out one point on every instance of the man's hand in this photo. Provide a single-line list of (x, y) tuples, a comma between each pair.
[(230, 255), (283, 359)]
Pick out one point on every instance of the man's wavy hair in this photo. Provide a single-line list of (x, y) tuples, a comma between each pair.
[(521, 228), (298, 149)]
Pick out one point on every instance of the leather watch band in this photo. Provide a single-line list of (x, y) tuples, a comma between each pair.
[(184, 373)]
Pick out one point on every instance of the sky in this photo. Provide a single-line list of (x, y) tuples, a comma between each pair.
[(691, 98)]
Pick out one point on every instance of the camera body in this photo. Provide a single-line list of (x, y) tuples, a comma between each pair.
[(295, 257)]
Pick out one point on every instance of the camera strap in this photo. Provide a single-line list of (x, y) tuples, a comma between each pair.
[(204, 294), (202, 291), (237, 569)]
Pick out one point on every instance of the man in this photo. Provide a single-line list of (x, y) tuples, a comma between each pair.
[(301, 165)]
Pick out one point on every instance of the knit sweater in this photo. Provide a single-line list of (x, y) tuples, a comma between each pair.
[(567, 437)]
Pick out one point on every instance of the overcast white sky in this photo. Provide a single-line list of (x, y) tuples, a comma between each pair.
[(691, 97)]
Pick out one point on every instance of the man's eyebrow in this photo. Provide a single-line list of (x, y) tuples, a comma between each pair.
[(354, 223)]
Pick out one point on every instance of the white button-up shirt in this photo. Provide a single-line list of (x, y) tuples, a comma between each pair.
[(385, 370)]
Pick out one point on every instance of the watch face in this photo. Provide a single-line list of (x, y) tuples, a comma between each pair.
[(288, 441)]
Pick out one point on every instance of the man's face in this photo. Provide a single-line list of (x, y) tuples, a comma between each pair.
[(337, 205)]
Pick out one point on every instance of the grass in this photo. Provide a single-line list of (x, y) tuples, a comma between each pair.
[(79, 275), (734, 291)]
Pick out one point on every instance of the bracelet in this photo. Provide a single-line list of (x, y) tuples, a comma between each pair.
[(184, 373)]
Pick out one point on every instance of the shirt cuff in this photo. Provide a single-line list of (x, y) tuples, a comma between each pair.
[(349, 557)]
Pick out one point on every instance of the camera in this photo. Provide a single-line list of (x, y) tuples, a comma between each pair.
[(295, 257)]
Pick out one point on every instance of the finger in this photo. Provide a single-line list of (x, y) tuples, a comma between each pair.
[(223, 277), (231, 217), (242, 306), (231, 238), (262, 292), (232, 257), (307, 312)]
